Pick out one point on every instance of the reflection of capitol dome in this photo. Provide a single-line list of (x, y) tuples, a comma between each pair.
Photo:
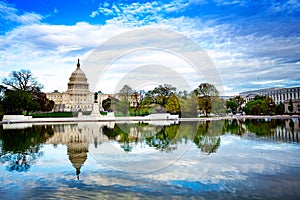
[(78, 81), (78, 139), (77, 155)]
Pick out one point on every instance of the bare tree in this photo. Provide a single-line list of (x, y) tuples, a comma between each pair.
[(22, 80)]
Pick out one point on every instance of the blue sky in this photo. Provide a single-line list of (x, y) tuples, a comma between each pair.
[(253, 44)]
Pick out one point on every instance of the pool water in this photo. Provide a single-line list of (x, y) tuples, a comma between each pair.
[(226, 159)]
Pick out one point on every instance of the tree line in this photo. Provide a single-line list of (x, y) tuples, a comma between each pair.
[(165, 98), (260, 105), (21, 94)]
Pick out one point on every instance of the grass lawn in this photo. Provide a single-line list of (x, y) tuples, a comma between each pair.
[(53, 114)]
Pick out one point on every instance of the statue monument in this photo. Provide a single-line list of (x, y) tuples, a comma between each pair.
[(95, 110)]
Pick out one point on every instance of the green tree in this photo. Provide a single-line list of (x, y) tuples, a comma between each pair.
[(206, 93), (44, 103), (159, 95), (270, 105), (173, 105), (219, 105), (18, 101), (189, 105), (260, 105), (183, 94), (162, 93), (231, 105)]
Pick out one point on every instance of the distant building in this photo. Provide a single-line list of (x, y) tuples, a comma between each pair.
[(279, 95), (78, 97)]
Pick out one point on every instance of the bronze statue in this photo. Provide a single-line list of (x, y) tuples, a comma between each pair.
[(95, 97)]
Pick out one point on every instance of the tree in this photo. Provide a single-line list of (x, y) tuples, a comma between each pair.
[(206, 94), (20, 83), (270, 105), (183, 94), (239, 100), (44, 103), (290, 106), (109, 103), (189, 105), (280, 109), (231, 105), (124, 94), (260, 105), (136, 102), (162, 93), (219, 105), (2, 94), (22, 80), (159, 95), (17, 101), (173, 105)]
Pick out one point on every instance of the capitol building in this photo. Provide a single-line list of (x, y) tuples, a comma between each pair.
[(78, 97)]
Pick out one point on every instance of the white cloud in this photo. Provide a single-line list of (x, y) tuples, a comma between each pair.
[(50, 51), (9, 13), (94, 14), (239, 57)]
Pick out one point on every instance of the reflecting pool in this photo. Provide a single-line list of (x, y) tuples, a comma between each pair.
[(225, 159)]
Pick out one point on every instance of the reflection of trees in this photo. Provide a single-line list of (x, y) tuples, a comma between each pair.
[(187, 131), (21, 140), (21, 146), (280, 130), (261, 127), (163, 140), (18, 162), (109, 132), (124, 133), (205, 135), (234, 127), (208, 136)]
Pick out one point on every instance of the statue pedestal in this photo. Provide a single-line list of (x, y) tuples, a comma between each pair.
[(95, 111)]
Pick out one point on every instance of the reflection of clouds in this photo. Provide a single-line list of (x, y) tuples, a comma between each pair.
[(233, 167), (109, 170), (235, 164), (229, 140)]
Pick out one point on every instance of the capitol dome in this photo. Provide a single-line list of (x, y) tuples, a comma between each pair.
[(78, 82), (78, 97)]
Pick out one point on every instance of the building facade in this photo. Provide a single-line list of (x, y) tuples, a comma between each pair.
[(279, 95)]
